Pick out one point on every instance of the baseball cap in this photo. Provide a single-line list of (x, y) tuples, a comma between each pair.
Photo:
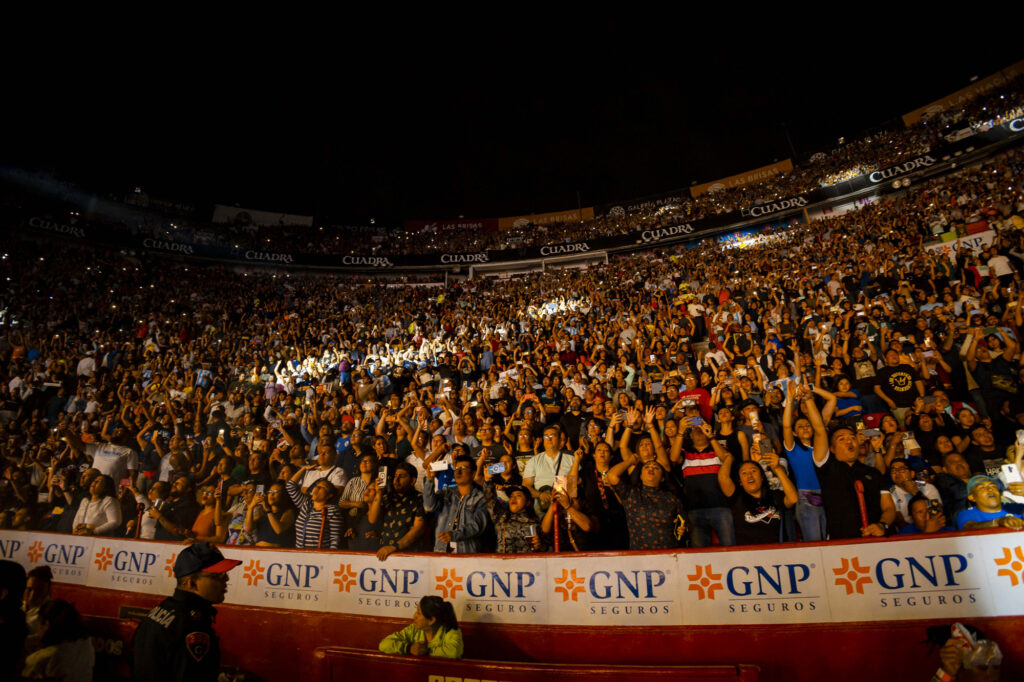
[(979, 478), (518, 489), (202, 556)]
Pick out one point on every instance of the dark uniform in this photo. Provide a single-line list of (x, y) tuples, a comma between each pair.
[(176, 641)]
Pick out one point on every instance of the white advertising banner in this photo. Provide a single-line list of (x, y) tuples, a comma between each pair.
[(132, 566), (638, 589), (68, 556), (952, 576), (774, 586), (971, 244)]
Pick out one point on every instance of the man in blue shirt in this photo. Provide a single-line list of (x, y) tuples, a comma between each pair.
[(988, 510)]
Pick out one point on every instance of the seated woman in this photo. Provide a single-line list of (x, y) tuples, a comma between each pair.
[(100, 512), (434, 632)]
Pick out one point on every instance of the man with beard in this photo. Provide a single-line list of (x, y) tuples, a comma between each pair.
[(175, 517)]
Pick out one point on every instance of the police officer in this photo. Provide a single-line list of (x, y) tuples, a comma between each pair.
[(176, 641)]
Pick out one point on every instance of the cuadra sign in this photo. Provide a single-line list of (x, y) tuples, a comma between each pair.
[(464, 257), (952, 577), (559, 249), (774, 207), (902, 169), (269, 257), (665, 232)]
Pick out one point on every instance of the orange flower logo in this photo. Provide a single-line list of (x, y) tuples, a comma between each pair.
[(169, 565), (705, 582), (1014, 562), (570, 585), (345, 578), (253, 572), (104, 558), (852, 575), (35, 552), (449, 583)]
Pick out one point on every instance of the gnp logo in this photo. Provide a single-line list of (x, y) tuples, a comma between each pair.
[(8, 548), (640, 592), (130, 568), (756, 589), (380, 586), (284, 582), (1012, 565), (64, 560), (910, 581), (506, 592)]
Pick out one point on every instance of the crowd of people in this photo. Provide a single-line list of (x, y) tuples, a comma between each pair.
[(835, 380), (847, 160)]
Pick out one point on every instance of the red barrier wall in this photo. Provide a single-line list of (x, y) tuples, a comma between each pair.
[(279, 644)]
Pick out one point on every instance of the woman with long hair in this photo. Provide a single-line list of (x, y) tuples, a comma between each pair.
[(434, 631), (211, 525), (359, 532), (270, 517), (100, 512), (319, 522)]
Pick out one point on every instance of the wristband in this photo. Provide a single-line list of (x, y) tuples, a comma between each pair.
[(942, 676)]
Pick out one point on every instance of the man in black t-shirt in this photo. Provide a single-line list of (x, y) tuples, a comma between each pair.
[(899, 385), (839, 472)]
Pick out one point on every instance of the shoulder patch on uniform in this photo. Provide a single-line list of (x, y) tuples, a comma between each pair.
[(198, 645)]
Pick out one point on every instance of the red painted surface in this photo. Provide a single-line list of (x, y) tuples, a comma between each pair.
[(279, 644), (339, 664)]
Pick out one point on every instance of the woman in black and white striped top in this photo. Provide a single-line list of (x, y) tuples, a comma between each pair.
[(319, 524)]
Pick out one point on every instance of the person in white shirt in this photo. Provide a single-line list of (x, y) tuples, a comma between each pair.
[(100, 513), (87, 365), (324, 468)]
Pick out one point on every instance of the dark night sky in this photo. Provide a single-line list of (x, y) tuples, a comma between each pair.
[(479, 129)]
